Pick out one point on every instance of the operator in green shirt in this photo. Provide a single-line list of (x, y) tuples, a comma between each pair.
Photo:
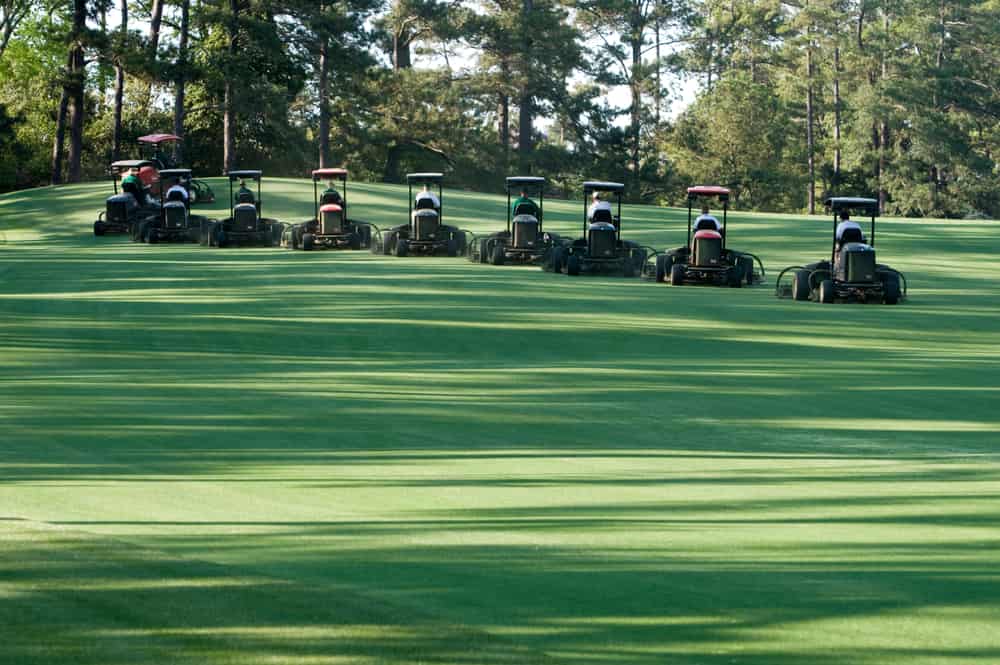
[(523, 199)]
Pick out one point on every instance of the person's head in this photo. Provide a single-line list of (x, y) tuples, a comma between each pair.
[(524, 194), (243, 183), (845, 215), (426, 188), (596, 197), (704, 208)]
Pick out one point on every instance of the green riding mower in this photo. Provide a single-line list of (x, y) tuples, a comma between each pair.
[(246, 227), (330, 228), (705, 258), (524, 241), (425, 234), (852, 273), (127, 209)]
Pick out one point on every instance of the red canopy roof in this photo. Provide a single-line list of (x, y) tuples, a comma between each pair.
[(329, 173), (158, 138), (708, 190)]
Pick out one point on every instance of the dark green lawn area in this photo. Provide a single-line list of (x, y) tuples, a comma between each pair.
[(265, 456)]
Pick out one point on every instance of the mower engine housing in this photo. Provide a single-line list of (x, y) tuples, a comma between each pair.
[(425, 224), (174, 215), (245, 218), (117, 208), (525, 231), (331, 219), (601, 240), (857, 263), (707, 249)]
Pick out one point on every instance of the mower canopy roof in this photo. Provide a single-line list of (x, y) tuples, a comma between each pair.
[(254, 174), (515, 181), (319, 174), (124, 164), (424, 177), (708, 190), (868, 206), (598, 186), (158, 138), (175, 173)]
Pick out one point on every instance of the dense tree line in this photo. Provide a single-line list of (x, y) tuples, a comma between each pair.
[(797, 98)]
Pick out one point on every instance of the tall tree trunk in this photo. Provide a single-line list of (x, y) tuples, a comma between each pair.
[(116, 129), (181, 90), (401, 50), (635, 110), (60, 139), (836, 117), (76, 91), (883, 139), (656, 93), (228, 138), (324, 102), (810, 137), (526, 111), (155, 21)]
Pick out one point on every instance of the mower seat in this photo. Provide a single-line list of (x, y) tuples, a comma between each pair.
[(602, 216), (706, 225), (424, 203), (331, 198), (526, 209), (851, 235), (244, 197)]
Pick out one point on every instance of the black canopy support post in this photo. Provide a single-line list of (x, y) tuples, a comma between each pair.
[(873, 230), (618, 218), (344, 202), (585, 192), (541, 205), (690, 203), (507, 187), (409, 186), (833, 247), (315, 200), (440, 203), (725, 225)]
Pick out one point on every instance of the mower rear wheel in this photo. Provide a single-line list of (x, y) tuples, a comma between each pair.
[(220, 237), (826, 294), (149, 231), (661, 268), (892, 291), (355, 241), (452, 250), (735, 276), (747, 263), (676, 275), (800, 285), (497, 255), (402, 247), (628, 268), (308, 241), (573, 265), (98, 228)]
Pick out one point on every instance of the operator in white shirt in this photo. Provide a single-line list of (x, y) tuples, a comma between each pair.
[(597, 204), (425, 193), (705, 216), (846, 223)]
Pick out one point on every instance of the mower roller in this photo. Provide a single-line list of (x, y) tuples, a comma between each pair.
[(523, 242), (245, 227), (424, 234), (127, 209), (706, 259), (330, 227), (601, 249), (851, 274)]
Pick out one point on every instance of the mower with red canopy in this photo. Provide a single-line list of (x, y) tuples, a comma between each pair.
[(706, 259), (330, 228)]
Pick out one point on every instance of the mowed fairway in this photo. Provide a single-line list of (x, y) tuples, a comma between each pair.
[(265, 456)]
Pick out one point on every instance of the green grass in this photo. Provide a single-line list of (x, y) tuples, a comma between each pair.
[(265, 456)]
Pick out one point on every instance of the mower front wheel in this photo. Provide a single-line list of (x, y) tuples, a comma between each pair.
[(497, 256), (355, 241), (676, 275), (628, 268), (826, 295), (308, 241), (800, 285), (98, 228), (452, 249), (736, 277), (573, 265), (148, 234), (892, 291), (402, 247), (220, 237), (664, 263)]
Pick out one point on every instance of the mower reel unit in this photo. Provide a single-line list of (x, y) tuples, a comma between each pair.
[(523, 242), (245, 227), (706, 259), (151, 147), (330, 228), (424, 234), (175, 223), (125, 210), (601, 249), (851, 274)]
